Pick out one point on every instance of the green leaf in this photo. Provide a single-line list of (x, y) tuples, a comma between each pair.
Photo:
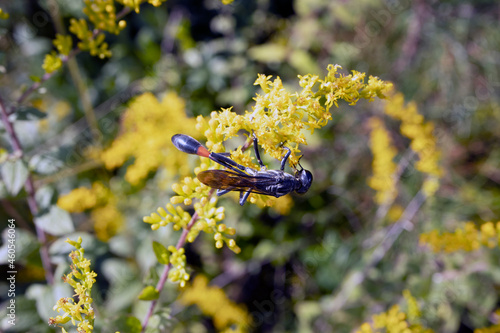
[(45, 297), (26, 316), (29, 113), (268, 52), (44, 197), (56, 222), (126, 324), (35, 78), (45, 164), (26, 243), (149, 294), (161, 253), (14, 175), (303, 62)]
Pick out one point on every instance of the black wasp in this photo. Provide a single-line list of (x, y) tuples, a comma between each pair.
[(243, 179)]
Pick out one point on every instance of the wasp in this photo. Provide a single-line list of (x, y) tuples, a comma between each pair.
[(246, 180)]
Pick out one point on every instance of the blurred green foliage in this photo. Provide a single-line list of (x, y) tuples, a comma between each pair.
[(305, 272)]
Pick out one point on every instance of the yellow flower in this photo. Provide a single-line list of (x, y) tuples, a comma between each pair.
[(3, 15), (81, 279), (108, 221), (396, 321), (102, 13), (83, 198), (213, 302), (420, 133), (468, 238), (395, 213), (383, 180), (148, 126), (63, 43), (52, 62), (178, 272), (88, 42)]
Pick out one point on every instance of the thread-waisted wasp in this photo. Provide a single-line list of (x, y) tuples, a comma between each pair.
[(244, 179)]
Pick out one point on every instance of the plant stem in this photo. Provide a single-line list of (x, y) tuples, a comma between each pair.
[(166, 270), (30, 190)]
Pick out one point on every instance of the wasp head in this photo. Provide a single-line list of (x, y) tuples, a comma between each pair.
[(304, 180)]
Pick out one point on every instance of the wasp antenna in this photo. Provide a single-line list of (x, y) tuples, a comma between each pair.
[(298, 163)]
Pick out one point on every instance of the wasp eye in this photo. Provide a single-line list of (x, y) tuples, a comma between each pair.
[(305, 178)]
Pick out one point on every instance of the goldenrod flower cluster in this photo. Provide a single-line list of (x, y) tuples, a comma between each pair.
[(468, 238), (3, 14), (102, 13), (106, 217), (81, 279), (397, 321), (422, 139), (392, 321), (63, 44), (147, 129), (134, 4), (213, 302), (83, 198), (383, 180), (95, 44), (208, 220), (53, 61), (280, 117), (492, 329), (412, 304), (395, 212), (178, 272)]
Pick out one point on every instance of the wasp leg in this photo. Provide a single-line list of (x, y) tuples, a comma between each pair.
[(244, 197), (222, 192), (283, 161), (256, 147)]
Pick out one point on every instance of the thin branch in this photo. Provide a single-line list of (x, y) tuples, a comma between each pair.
[(30, 190), (413, 35), (394, 231), (166, 269)]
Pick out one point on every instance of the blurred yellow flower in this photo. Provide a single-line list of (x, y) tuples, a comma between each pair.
[(148, 126), (213, 302), (107, 218), (383, 180), (468, 238), (3, 14), (108, 221), (421, 135)]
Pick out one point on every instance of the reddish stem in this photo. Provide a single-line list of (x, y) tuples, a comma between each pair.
[(30, 190)]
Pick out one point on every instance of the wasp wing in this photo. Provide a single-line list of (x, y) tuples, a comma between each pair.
[(232, 181)]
